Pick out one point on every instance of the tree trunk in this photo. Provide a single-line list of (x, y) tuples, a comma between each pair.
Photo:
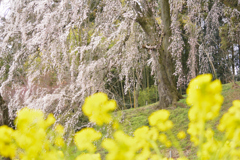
[(4, 118), (168, 93), (233, 65), (136, 89), (238, 56), (136, 95)]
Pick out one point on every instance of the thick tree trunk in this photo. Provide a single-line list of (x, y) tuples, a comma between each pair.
[(3, 112), (4, 116), (172, 95), (168, 93), (167, 90)]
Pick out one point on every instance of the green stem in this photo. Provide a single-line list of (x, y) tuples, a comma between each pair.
[(175, 143), (201, 140), (155, 147)]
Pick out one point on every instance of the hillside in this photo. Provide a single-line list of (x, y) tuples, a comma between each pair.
[(134, 118)]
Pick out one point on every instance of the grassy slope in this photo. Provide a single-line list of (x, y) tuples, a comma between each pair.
[(135, 118)]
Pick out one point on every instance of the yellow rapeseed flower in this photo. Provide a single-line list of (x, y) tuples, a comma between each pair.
[(181, 135), (122, 147), (97, 108), (59, 141), (87, 156), (182, 158), (84, 139), (230, 121), (164, 140), (115, 125), (160, 120), (29, 117), (50, 120), (204, 97), (59, 129), (144, 136), (154, 157), (7, 148)]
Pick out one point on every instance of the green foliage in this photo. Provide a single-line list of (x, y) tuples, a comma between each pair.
[(231, 3), (90, 33), (112, 44), (225, 43), (123, 3), (148, 96)]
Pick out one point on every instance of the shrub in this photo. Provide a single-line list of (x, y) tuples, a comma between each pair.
[(149, 95)]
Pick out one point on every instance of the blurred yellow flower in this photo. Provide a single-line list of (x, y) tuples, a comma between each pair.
[(143, 136), (181, 135), (59, 129), (59, 141), (230, 121), (7, 148), (115, 125), (84, 139), (97, 108), (87, 156), (204, 97), (122, 147), (50, 120), (28, 118), (160, 120)]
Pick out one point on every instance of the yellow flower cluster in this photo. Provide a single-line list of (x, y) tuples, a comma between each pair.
[(205, 99), (88, 156), (84, 141), (7, 147), (230, 124), (160, 120), (181, 135), (97, 108), (84, 138), (30, 140), (143, 135), (121, 147)]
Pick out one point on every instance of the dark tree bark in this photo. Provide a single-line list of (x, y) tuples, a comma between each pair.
[(233, 64), (4, 116), (136, 94), (159, 43), (239, 55)]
